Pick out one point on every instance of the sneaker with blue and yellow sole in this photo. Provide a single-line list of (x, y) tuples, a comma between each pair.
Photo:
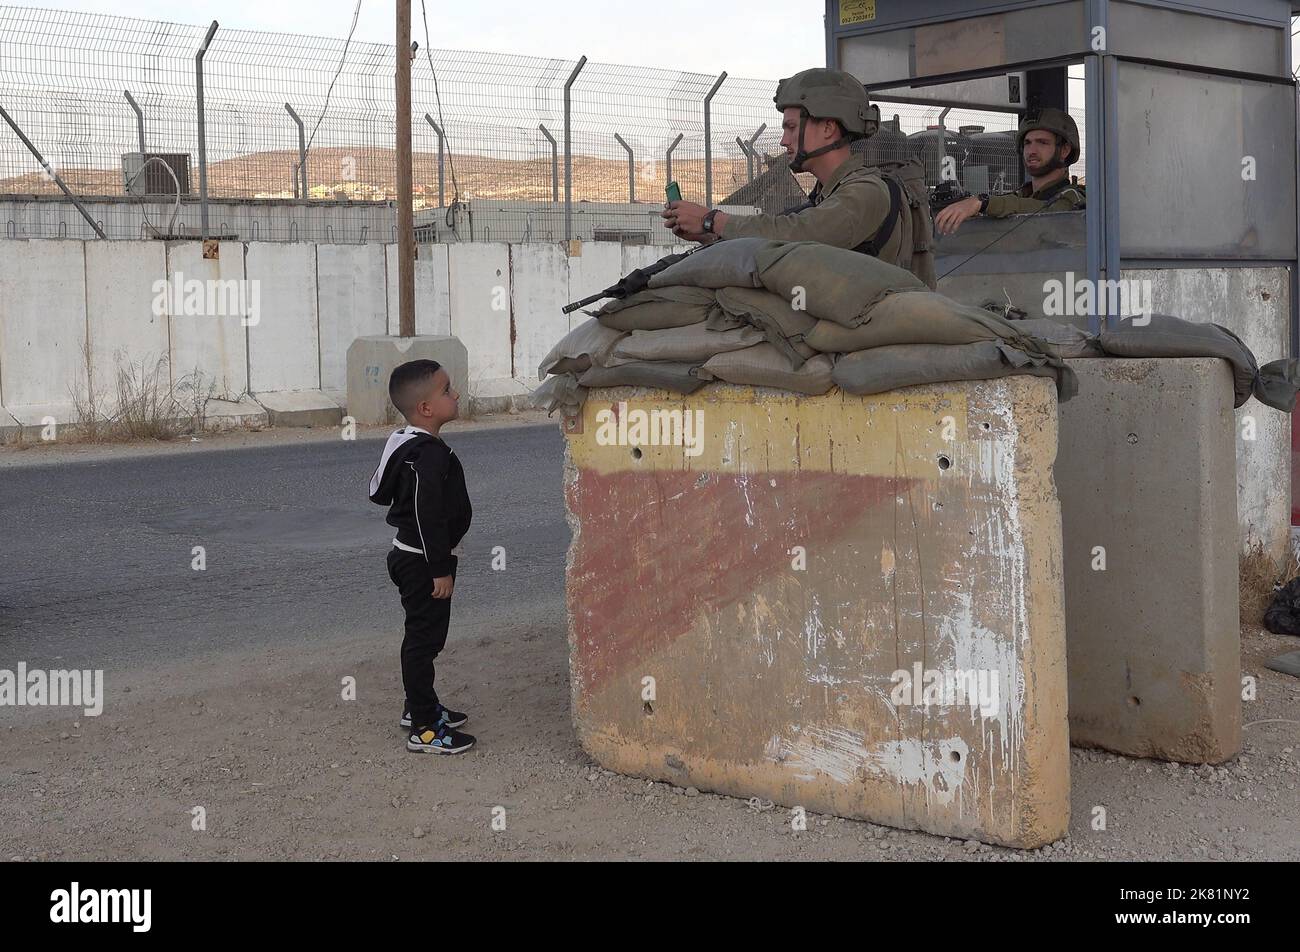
[(443, 740)]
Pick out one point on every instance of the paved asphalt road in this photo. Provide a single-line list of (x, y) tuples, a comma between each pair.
[(95, 557)]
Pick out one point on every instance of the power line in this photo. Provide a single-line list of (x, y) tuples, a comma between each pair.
[(442, 123), (343, 59)]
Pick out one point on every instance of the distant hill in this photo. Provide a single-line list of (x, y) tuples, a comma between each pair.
[(371, 174)]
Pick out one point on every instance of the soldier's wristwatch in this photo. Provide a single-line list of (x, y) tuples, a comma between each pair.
[(708, 221), (984, 201)]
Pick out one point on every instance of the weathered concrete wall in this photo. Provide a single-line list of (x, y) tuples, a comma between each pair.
[(1146, 474), (929, 527), (284, 342), (313, 301), (42, 328), (1253, 303), (351, 290), (127, 327), (212, 348)]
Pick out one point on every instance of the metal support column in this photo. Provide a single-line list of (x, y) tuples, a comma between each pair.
[(631, 168), (555, 164), (302, 152), (203, 135), (568, 150), (139, 119), (442, 145), (708, 144)]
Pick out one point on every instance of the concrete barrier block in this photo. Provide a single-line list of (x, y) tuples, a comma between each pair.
[(127, 321), (209, 349), (231, 414), (300, 408), (432, 292), (479, 277), (351, 291), (1253, 303), (1147, 476), (799, 598), (284, 338), (371, 361), (599, 265), (42, 329), (539, 283)]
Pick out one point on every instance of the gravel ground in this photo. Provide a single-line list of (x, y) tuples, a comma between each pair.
[(286, 769), (258, 735)]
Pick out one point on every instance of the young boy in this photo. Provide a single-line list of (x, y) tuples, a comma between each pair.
[(421, 481)]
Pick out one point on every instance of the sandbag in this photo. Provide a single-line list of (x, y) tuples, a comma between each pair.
[(657, 308), (912, 317), (1277, 384), (836, 284), (764, 366), (694, 344), (781, 324), (660, 374), (1062, 340), (587, 343), (881, 369), (560, 392), (723, 264), (1166, 336)]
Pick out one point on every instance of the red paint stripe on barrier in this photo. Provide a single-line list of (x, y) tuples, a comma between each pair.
[(656, 549)]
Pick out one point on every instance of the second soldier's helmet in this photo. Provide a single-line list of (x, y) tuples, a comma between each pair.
[(830, 94), (1056, 121)]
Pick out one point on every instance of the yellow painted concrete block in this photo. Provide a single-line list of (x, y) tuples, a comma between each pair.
[(849, 604)]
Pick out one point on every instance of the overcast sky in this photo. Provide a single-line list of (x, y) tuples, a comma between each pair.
[(780, 36)]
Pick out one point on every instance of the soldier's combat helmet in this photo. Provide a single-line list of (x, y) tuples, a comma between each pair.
[(1058, 122), (827, 94)]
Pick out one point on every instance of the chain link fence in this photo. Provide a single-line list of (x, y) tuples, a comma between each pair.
[(299, 133)]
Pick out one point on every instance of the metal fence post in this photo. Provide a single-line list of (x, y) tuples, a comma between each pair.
[(568, 150), (555, 164), (753, 152), (631, 169), (442, 139), (668, 159), (203, 138), (302, 151), (139, 118), (708, 145), (749, 159)]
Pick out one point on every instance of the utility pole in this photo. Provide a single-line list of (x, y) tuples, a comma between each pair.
[(405, 219)]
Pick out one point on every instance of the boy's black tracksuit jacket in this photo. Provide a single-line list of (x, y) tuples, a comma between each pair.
[(422, 482)]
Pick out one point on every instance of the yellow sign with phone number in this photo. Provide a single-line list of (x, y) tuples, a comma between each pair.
[(857, 11)]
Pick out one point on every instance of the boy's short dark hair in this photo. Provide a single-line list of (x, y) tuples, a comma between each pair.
[(407, 384)]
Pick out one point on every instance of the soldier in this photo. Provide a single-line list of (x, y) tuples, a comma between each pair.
[(1049, 145), (852, 206)]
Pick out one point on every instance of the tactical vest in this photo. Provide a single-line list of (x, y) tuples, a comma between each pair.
[(907, 189)]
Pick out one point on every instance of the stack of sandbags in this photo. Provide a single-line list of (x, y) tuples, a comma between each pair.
[(888, 330), (798, 316)]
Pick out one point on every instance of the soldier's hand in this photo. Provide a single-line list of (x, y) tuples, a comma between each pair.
[(442, 586), (686, 219), (948, 220)]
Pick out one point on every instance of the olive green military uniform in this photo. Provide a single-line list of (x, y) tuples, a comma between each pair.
[(846, 211), (1060, 196)]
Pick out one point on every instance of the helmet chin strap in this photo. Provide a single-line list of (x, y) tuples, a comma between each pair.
[(800, 156)]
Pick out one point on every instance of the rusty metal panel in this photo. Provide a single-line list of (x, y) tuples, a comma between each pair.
[(798, 604)]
